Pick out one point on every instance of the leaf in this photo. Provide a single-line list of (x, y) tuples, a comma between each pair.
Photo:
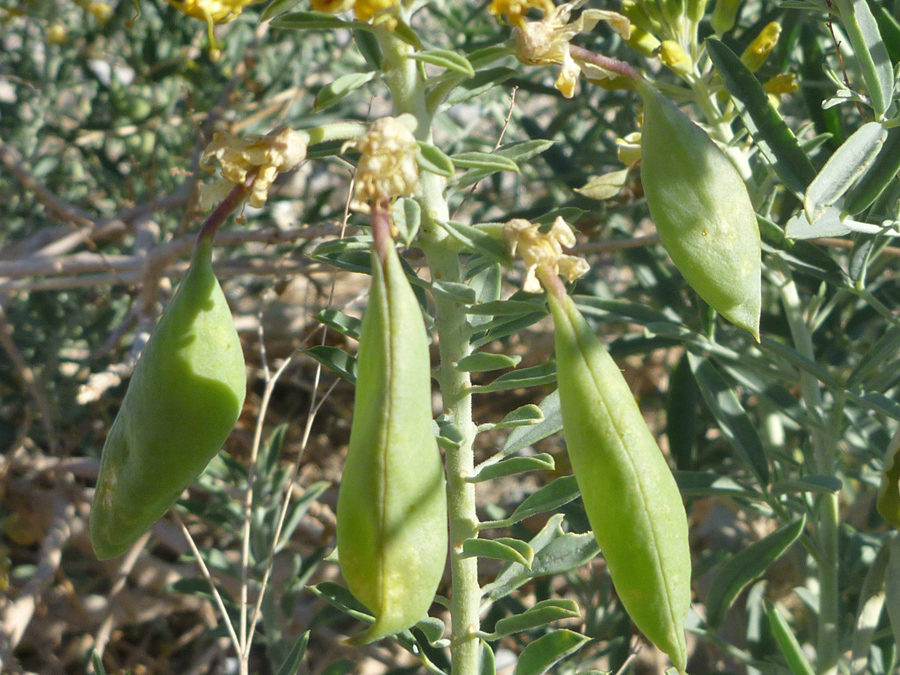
[(433, 629), (347, 254), (477, 241), (843, 169), (369, 47), (892, 586), (703, 484), (796, 660), (277, 8), (454, 291), (406, 216), (541, 614), (606, 186), (829, 224), (482, 362), (733, 420), (880, 174), (449, 436), (542, 654), (551, 496), (526, 436), (507, 308), (342, 323), (888, 503), (483, 81), (513, 466), (521, 378), (291, 663), (823, 485), (299, 510), (484, 161), (525, 415), (745, 566), (504, 548), (335, 359), (776, 141), (446, 59), (486, 663), (343, 599), (310, 21), (432, 159), (868, 47)]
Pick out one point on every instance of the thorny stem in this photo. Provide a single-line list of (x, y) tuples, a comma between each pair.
[(408, 91)]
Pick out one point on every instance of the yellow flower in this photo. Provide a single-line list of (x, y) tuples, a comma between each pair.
[(763, 44), (366, 9), (515, 10), (546, 42), (332, 6), (57, 34), (387, 166), (544, 250), (215, 11), (278, 151), (629, 148), (673, 55)]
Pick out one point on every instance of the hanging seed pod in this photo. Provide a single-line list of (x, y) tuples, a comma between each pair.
[(629, 493), (183, 400), (701, 209), (392, 503)]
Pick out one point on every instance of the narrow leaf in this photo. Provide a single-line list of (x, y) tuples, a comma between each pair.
[(485, 161), (477, 241), (481, 362), (744, 567), (513, 466), (526, 436), (310, 21), (874, 63), (542, 654), (551, 496), (829, 224), (277, 8), (518, 379), (868, 614), (291, 663), (892, 586), (454, 291), (606, 186), (446, 59), (733, 420), (335, 359), (541, 614), (793, 654), (504, 548), (432, 159), (342, 323)]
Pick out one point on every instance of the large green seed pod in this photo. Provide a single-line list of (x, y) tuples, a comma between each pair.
[(183, 400), (629, 493), (701, 209), (392, 503)]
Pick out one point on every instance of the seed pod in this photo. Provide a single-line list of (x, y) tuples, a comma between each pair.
[(701, 209), (392, 503), (629, 493), (183, 400)]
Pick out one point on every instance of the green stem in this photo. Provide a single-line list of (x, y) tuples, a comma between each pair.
[(408, 92), (824, 437)]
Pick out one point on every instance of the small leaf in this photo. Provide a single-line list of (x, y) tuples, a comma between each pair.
[(504, 548), (433, 629), (541, 614), (291, 663), (485, 161), (406, 216), (526, 436), (518, 379), (482, 82), (551, 496), (745, 566), (335, 359), (823, 485), (843, 169), (888, 503), (606, 186), (507, 308), (342, 323), (310, 21), (764, 123), (449, 436), (277, 8), (870, 52), (339, 89), (343, 599), (829, 224), (733, 420), (477, 241), (892, 586), (883, 170), (525, 415), (542, 654), (868, 614), (347, 254), (432, 159), (482, 362), (446, 59), (793, 654), (513, 466), (487, 663), (694, 484), (454, 291)]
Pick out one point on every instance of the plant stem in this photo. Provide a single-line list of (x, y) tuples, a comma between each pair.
[(408, 91), (823, 461)]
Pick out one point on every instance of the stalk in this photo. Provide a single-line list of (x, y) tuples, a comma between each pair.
[(408, 91), (824, 452)]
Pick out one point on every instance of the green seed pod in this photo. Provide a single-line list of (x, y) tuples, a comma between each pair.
[(392, 503), (629, 493), (183, 400), (701, 209)]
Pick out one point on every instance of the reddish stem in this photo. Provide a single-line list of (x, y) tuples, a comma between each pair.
[(605, 62), (552, 283), (226, 208), (381, 228)]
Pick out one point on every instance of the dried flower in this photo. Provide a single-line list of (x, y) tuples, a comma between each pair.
[(387, 167), (544, 250), (278, 151)]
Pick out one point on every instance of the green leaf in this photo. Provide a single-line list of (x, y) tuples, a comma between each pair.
[(335, 359), (482, 362), (892, 586), (744, 567), (446, 59), (504, 548), (694, 484), (478, 242), (482, 82), (868, 47), (733, 420), (793, 654), (823, 485), (829, 224), (541, 614), (340, 322), (310, 21), (347, 254), (526, 415), (298, 511), (868, 614), (486, 663), (369, 47), (526, 436), (343, 599), (339, 89), (606, 186), (406, 216), (776, 141), (843, 169), (449, 436), (542, 654), (507, 307), (454, 291), (485, 161), (432, 159), (433, 629), (277, 8), (882, 171), (513, 466), (291, 663), (551, 496), (518, 379), (889, 29)]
